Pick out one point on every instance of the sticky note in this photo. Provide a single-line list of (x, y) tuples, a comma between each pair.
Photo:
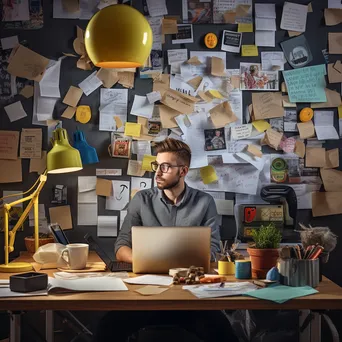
[(146, 162), (249, 50), (216, 94), (243, 27), (208, 174), (340, 112), (261, 125), (132, 129)]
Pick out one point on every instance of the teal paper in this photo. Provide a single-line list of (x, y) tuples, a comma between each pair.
[(306, 84), (281, 293)]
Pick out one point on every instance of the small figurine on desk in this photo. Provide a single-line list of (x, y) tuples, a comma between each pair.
[(193, 276)]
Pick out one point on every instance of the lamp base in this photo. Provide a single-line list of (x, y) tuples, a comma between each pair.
[(16, 267)]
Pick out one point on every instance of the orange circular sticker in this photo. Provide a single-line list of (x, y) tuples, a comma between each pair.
[(210, 40), (306, 114)]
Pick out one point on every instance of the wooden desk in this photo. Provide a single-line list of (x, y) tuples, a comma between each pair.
[(329, 297)]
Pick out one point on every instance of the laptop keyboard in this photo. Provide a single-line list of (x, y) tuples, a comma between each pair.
[(119, 266)]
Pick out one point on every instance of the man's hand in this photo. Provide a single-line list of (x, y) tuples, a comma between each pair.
[(124, 254)]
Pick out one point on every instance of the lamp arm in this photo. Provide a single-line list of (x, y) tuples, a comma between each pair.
[(33, 198)]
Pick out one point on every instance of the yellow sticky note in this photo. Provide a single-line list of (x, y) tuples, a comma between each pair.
[(146, 162), (249, 51), (340, 112), (216, 94), (132, 129), (243, 27), (208, 174), (261, 125)]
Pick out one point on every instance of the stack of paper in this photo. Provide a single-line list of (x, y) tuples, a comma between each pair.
[(214, 291), (265, 25)]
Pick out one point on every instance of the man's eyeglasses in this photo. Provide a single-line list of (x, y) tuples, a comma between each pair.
[(164, 167)]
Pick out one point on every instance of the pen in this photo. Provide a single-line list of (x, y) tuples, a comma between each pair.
[(317, 252), (222, 285)]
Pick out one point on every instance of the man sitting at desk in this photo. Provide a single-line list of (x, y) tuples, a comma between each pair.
[(171, 203)]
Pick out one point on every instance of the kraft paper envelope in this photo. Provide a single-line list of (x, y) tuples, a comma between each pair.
[(335, 72), (332, 158), (229, 17), (218, 66), (108, 77), (9, 143), (333, 16), (15, 176), (162, 84), (38, 165), (167, 116), (73, 96), (254, 150), (300, 149), (326, 203), (195, 82), (315, 157), (335, 42), (332, 180), (273, 138), (306, 129), (150, 290), (62, 216), (222, 115), (26, 63), (333, 100), (169, 26), (104, 187), (176, 101), (126, 79), (27, 91), (69, 112), (194, 61)]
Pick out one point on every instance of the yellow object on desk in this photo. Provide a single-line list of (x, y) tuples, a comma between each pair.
[(249, 51), (132, 129), (83, 114), (243, 27), (226, 267)]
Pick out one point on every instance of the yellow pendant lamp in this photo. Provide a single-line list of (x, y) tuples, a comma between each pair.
[(118, 36)]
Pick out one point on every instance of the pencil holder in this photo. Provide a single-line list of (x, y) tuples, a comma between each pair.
[(299, 272), (243, 269), (226, 268)]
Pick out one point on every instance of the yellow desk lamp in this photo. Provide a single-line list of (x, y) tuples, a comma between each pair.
[(118, 36), (62, 158)]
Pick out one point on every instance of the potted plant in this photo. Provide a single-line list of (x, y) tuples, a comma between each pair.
[(43, 240), (264, 252)]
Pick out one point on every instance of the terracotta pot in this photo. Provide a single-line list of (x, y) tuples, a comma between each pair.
[(262, 261), (29, 243)]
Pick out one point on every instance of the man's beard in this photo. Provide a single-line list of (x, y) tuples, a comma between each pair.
[(167, 186)]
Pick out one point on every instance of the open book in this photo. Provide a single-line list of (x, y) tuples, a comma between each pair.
[(98, 284)]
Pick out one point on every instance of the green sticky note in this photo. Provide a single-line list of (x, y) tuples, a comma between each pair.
[(306, 84), (281, 293)]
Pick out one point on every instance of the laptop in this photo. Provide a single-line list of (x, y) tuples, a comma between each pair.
[(112, 265), (157, 249)]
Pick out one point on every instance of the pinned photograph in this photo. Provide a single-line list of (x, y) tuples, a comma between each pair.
[(297, 51), (197, 12), (154, 127), (290, 120), (184, 35), (121, 148), (253, 78), (231, 41), (215, 139)]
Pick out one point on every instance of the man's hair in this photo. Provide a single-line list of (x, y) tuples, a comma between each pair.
[(179, 148)]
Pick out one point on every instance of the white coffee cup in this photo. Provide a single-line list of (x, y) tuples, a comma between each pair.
[(77, 255)]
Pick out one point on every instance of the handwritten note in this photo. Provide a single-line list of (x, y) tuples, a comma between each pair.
[(9, 142), (294, 17), (177, 102), (332, 180), (267, 105), (306, 84), (241, 131)]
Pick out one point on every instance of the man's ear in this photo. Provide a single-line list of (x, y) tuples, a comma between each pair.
[(184, 171)]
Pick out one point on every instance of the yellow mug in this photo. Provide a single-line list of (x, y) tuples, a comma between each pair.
[(226, 268)]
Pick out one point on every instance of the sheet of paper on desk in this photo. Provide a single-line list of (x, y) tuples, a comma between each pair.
[(149, 279), (5, 292), (97, 284), (142, 107), (324, 125), (49, 84), (150, 290), (90, 84), (15, 111), (120, 197), (281, 293), (113, 102)]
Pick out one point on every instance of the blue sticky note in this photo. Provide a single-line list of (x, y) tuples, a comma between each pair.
[(306, 84), (281, 293)]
